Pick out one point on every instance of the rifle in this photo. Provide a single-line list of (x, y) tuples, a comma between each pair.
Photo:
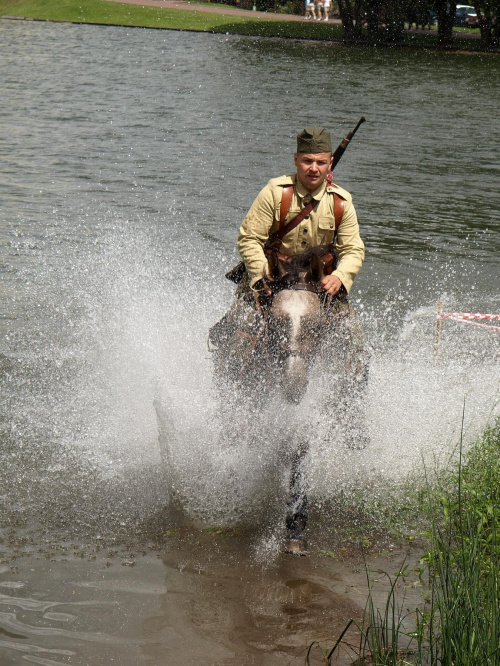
[(236, 274), (340, 150)]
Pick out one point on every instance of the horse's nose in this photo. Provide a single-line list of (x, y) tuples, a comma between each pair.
[(295, 378)]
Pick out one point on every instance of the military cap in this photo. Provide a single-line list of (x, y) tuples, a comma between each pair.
[(314, 140)]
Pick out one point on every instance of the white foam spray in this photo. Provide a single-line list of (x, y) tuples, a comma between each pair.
[(121, 378)]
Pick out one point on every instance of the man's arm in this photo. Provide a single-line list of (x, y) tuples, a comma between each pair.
[(350, 251), (254, 232)]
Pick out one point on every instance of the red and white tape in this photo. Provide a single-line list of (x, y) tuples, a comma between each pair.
[(466, 317)]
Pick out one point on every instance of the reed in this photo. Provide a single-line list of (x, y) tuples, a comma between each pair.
[(459, 624)]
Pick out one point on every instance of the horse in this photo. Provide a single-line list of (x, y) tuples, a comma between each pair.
[(265, 350), (272, 345)]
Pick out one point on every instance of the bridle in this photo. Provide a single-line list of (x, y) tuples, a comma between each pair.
[(264, 307)]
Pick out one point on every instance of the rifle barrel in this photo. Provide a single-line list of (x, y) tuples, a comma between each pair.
[(339, 151)]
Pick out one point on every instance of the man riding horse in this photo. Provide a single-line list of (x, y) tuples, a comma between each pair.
[(312, 161), (297, 216)]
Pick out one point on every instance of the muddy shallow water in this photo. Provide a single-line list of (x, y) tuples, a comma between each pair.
[(205, 598), (129, 158)]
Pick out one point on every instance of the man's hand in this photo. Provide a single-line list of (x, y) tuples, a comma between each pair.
[(263, 285), (331, 284)]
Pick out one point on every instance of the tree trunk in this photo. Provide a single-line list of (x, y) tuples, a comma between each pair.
[(351, 23), (394, 16), (488, 12), (445, 17)]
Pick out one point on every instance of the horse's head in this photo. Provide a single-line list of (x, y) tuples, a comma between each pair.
[(295, 318)]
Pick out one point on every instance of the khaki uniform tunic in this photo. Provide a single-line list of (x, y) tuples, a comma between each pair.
[(318, 228)]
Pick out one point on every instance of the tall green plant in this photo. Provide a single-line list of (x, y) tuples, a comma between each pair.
[(460, 625)]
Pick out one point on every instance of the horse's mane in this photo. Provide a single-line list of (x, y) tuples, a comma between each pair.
[(298, 264), (301, 262)]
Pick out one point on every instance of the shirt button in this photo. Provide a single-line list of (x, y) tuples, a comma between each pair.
[(331, 226), (304, 243), (305, 231), (306, 217)]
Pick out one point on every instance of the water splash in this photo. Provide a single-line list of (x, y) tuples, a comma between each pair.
[(109, 412)]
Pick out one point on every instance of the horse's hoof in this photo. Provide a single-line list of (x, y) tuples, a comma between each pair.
[(295, 547)]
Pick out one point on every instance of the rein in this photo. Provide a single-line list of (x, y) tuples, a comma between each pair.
[(303, 286)]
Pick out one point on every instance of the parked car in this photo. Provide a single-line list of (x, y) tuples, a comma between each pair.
[(472, 20), (466, 16)]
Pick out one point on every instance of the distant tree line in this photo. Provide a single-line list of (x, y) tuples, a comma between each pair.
[(384, 21)]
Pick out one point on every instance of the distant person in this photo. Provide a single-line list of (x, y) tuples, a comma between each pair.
[(310, 9), (326, 9), (319, 9)]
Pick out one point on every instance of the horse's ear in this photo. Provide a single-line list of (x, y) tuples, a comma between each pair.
[(316, 269), (282, 268)]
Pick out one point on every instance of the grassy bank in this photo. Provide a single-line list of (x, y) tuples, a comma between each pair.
[(458, 622), (111, 13)]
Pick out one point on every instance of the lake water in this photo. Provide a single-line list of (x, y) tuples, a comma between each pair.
[(128, 160)]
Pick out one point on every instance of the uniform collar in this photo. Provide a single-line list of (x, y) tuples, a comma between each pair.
[(303, 192)]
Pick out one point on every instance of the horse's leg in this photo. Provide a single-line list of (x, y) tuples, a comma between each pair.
[(296, 518), (234, 338), (348, 344)]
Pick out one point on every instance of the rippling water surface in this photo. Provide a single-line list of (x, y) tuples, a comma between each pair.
[(128, 159)]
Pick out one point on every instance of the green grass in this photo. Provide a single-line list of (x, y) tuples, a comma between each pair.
[(459, 622), (112, 13)]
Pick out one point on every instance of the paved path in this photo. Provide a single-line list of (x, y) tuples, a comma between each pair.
[(229, 10)]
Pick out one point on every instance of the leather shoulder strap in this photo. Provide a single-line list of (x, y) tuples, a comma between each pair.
[(338, 210), (286, 202), (274, 241)]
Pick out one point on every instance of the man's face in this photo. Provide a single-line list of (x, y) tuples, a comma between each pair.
[(312, 168)]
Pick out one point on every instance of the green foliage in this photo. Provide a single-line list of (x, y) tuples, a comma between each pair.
[(462, 626), (469, 498), (383, 636), (459, 623), (291, 7)]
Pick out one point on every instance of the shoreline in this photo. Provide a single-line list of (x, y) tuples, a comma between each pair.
[(458, 50), (182, 16)]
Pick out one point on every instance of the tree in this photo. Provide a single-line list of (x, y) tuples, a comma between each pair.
[(351, 14), (445, 11), (383, 20), (488, 13)]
